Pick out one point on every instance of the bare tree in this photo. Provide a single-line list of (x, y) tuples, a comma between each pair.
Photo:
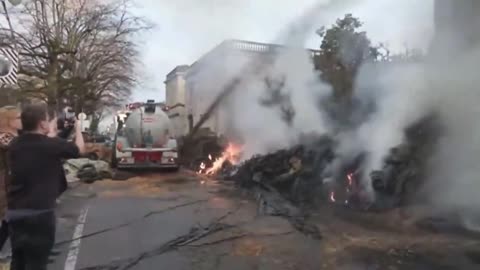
[(77, 50), (279, 97)]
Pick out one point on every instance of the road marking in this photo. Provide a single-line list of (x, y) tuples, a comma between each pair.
[(74, 248)]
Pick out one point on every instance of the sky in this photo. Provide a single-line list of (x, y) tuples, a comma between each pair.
[(186, 29)]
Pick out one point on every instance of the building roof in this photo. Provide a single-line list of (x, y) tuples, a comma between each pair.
[(250, 46), (246, 46), (178, 69)]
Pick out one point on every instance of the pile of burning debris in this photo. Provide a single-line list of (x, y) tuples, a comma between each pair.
[(293, 172), (311, 173), (221, 162), (200, 149)]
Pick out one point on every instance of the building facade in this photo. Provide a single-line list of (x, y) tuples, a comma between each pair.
[(212, 73), (175, 99), (197, 86)]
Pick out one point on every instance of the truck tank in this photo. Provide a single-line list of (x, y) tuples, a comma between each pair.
[(147, 126)]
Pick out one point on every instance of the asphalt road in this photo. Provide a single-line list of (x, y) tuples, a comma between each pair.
[(118, 223), (179, 221), (116, 213)]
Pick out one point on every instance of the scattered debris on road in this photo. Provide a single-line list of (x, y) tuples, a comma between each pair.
[(196, 233), (122, 225)]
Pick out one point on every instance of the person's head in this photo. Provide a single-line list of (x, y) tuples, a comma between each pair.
[(10, 118), (35, 118)]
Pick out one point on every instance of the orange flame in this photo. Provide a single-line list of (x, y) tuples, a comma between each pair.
[(350, 182), (231, 153), (350, 179), (332, 196), (202, 167)]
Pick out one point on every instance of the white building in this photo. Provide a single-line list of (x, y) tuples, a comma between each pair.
[(175, 99), (198, 85)]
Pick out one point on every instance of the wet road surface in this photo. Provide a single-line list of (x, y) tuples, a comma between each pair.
[(178, 221)]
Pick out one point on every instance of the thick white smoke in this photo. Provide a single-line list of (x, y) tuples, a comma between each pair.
[(262, 128), (454, 179), (401, 99), (403, 93), (399, 91), (445, 83)]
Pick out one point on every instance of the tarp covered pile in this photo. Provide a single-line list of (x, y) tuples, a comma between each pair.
[(87, 170)]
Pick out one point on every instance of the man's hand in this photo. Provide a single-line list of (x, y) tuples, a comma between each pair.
[(77, 127), (79, 137), (53, 128)]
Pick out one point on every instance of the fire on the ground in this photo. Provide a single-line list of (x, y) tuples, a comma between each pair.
[(312, 171), (232, 154)]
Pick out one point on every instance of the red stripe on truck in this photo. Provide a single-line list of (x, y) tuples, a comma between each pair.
[(155, 156), (142, 156), (139, 156)]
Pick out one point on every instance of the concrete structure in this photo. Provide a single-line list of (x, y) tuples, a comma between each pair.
[(175, 99), (208, 76)]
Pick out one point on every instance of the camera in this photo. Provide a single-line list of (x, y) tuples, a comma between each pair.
[(70, 116), (66, 122)]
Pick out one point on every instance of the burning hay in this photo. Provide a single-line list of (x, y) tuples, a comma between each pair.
[(298, 173), (404, 169), (231, 156), (293, 172), (311, 173)]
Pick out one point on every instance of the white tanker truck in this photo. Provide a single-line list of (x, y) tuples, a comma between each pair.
[(144, 138)]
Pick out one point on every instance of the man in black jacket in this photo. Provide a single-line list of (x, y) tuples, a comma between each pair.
[(37, 177), (62, 128)]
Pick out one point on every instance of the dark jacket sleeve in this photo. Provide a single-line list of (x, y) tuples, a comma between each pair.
[(63, 184), (64, 149)]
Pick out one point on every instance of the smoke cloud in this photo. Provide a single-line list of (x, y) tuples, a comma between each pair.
[(401, 93), (454, 92), (395, 90), (401, 100), (446, 84), (262, 128)]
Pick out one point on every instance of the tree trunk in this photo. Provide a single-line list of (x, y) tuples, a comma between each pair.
[(52, 84)]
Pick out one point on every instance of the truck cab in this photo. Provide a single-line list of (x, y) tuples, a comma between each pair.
[(144, 138)]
